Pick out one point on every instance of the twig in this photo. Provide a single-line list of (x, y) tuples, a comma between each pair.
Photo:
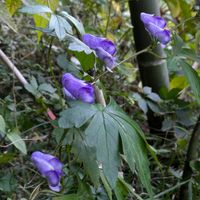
[(8, 62)]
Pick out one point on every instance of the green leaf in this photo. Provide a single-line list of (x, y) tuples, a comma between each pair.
[(124, 188), (8, 183), (6, 157), (141, 102), (77, 24), (174, 6), (102, 133), (105, 127), (178, 82), (6, 18), (2, 126), (121, 191), (86, 155), (134, 145), (77, 45), (35, 9), (46, 87), (193, 79), (12, 6), (87, 60), (189, 53), (39, 20), (106, 186), (76, 116), (68, 66), (17, 141), (60, 26)]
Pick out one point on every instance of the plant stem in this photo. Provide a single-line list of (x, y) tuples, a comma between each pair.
[(192, 154), (108, 20), (123, 61), (52, 72), (99, 96)]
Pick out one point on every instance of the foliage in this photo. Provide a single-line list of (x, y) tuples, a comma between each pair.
[(106, 155)]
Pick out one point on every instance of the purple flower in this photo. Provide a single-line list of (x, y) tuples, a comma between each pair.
[(104, 48), (49, 167), (77, 89), (155, 26)]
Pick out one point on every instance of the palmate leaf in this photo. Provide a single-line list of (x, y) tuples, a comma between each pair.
[(35, 9), (102, 133), (74, 21), (39, 20), (106, 126), (86, 155), (60, 26)]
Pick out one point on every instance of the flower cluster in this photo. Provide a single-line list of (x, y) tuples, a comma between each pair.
[(104, 48), (50, 168), (75, 89), (155, 26)]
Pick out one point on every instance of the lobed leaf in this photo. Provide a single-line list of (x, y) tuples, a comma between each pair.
[(35, 9)]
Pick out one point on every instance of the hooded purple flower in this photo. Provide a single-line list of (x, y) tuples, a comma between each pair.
[(155, 26), (104, 48), (77, 89), (49, 167)]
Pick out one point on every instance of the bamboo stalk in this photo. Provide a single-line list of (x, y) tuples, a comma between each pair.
[(152, 66), (192, 154)]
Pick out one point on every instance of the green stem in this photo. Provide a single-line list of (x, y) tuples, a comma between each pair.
[(108, 20), (123, 61), (52, 72)]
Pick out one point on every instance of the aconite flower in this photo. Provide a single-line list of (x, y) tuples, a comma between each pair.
[(155, 26), (76, 89), (50, 168), (104, 48)]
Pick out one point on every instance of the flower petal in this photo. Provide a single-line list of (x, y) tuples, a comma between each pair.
[(57, 165), (53, 178), (86, 94), (42, 165), (77, 89), (68, 94), (106, 58), (95, 42), (163, 36), (157, 20), (56, 188), (42, 155)]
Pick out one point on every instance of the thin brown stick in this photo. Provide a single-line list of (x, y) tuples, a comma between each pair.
[(14, 69)]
